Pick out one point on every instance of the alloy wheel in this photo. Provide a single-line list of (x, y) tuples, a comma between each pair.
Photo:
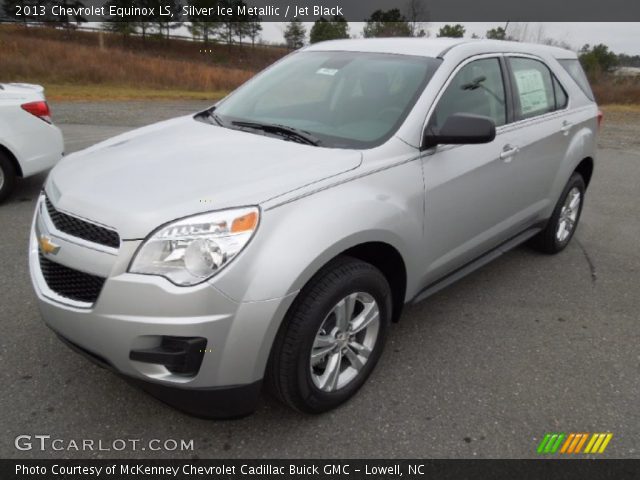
[(344, 341), (568, 215)]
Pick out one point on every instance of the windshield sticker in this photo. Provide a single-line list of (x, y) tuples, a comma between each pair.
[(533, 96), (327, 71)]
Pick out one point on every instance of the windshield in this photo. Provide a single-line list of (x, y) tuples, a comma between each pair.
[(343, 99)]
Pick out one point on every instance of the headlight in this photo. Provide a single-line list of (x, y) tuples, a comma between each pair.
[(195, 248)]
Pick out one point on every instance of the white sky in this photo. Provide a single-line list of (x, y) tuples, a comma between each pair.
[(620, 37)]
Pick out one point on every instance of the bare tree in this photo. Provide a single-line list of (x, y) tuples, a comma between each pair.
[(254, 28), (389, 23), (295, 34), (533, 32), (526, 32), (416, 12)]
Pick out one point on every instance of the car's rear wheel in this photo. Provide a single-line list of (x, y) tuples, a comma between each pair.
[(7, 177), (564, 220), (332, 336)]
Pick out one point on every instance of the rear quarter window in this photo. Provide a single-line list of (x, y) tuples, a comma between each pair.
[(573, 68)]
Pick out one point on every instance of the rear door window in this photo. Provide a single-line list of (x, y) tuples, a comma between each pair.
[(533, 87)]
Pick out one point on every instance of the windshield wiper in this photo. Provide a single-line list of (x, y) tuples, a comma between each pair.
[(215, 117), (210, 116), (292, 133)]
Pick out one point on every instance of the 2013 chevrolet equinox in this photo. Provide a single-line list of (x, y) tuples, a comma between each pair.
[(275, 236)]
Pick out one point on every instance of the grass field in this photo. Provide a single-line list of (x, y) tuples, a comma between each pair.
[(67, 92), (617, 91), (72, 65), (617, 108)]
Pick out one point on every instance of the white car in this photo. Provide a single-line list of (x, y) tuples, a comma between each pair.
[(29, 142)]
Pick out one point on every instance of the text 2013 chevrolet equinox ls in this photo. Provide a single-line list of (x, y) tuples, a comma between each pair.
[(272, 239)]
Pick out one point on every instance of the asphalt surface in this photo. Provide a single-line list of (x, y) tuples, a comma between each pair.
[(529, 344)]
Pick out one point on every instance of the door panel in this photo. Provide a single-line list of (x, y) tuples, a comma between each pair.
[(468, 204), (543, 130), (541, 147), (478, 196), (468, 188)]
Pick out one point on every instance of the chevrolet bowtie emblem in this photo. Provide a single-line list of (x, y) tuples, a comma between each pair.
[(47, 246)]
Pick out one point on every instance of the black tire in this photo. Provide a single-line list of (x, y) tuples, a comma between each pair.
[(289, 374), (7, 177), (547, 241)]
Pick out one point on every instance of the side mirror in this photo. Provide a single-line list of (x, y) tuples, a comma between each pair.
[(461, 129)]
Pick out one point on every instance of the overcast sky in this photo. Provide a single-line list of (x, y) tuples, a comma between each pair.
[(620, 37)]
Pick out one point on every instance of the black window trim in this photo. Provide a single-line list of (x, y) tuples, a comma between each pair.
[(555, 82), (508, 90)]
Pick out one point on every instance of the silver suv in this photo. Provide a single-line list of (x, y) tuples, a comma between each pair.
[(273, 238)]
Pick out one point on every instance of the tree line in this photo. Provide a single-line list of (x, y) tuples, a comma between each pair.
[(596, 59), (227, 29)]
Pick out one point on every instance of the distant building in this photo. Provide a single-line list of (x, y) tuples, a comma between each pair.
[(627, 72)]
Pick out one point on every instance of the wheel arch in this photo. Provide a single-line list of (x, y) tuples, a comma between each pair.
[(12, 159), (382, 253), (579, 158), (585, 168), (389, 261)]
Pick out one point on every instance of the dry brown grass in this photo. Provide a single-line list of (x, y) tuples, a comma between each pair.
[(54, 57), (231, 56), (610, 90), (67, 93), (27, 58)]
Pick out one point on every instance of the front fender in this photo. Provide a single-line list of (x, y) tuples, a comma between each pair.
[(296, 239)]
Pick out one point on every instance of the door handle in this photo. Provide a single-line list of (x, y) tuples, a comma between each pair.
[(566, 126), (507, 152)]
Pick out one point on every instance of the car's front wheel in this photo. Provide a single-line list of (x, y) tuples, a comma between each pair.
[(332, 336), (7, 177)]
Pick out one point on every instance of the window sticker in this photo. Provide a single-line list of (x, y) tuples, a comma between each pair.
[(327, 71), (533, 96)]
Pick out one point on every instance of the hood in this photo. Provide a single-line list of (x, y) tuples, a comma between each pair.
[(140, 180), (21, 90)]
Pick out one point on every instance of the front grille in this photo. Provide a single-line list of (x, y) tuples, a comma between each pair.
[(82, 229), (70, 283)]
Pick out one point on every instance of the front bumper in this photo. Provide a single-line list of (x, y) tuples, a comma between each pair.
[(135, 312), (215, 402)]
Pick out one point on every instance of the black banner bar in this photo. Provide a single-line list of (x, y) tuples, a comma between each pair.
[(311, 10), (543, 469)]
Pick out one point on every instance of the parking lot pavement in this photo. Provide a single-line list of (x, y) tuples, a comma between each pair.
[(86, 123), (527, 345)]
